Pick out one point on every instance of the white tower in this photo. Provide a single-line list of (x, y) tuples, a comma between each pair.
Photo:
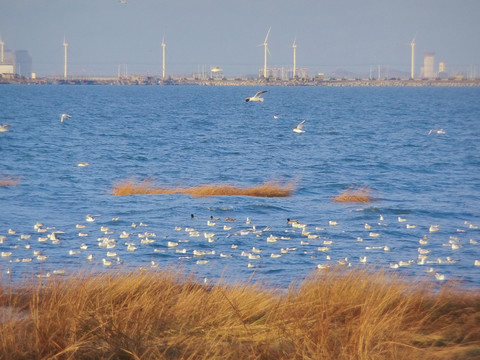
[(2, 44), (265, 45), (294, 46), (412, 44), (163, 57), (65, 63)]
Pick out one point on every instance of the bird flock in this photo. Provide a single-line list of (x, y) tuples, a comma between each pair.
[(203, 241)]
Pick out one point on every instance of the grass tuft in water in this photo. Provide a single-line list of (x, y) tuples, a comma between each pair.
[(269, 189), (9, 181), (361, 194)]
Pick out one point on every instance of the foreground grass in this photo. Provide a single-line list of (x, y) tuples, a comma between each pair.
[(162, 315)]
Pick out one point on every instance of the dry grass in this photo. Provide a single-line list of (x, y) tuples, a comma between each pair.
[(9, 181), (269, 189), (361, 194), (335, 314)]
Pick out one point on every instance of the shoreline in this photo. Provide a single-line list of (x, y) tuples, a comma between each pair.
[(141, 80)]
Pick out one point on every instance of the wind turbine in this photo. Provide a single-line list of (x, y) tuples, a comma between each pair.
[(65, 64), (412, 45), (294, 46), (265, 45), (163, 57), (1, 50)]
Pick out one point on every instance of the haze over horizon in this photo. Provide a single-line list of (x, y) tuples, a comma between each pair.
[(348, 34)]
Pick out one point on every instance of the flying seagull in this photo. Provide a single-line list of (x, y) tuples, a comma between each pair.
[(298, 128), (4, 127), (257, 97), (65, 116)]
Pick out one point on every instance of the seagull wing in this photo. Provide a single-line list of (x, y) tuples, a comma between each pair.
[(300, 125), (65, 116), (260, 93)]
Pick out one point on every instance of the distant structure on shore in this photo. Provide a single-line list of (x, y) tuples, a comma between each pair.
[(23, 63), (19, 64), (294, 46), (442, 70), (2, 44), (65, 45), (428, 62), (265, 45), (412, 66), (163, 57)]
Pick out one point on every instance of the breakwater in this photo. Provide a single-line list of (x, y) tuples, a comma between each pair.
[(144, 80)]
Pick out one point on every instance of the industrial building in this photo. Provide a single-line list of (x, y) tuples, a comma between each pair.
[(428, 63), (14, 63), (442, 70), (23, 63), (7, 64), (7, 61)]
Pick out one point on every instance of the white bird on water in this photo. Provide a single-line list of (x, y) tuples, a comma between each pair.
[(298, 128), (436, 131), (4, 127), (65, 116), (257, 97)]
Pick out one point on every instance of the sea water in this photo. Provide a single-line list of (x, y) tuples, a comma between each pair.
[(417, 150)]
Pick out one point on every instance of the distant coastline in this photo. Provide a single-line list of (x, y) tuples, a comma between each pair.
[(142, 80)]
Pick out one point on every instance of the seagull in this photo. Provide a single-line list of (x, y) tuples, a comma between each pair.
[(65, 116), (298, 128), (4, 127), (436, 131), (257, 97)]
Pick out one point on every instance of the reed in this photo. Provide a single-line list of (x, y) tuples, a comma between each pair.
[(361, 194), (9, 181), (334, 314), (269, 189)]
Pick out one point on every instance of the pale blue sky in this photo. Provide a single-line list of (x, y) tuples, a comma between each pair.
[(351, 34)]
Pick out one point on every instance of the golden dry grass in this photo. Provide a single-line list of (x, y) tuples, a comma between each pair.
[(9, 181), (361, 194), (336, 314), (269, 189)]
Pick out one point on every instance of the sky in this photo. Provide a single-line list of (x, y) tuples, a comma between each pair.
[(354, 35)]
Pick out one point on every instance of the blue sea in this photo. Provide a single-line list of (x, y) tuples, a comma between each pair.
[(417, 150)]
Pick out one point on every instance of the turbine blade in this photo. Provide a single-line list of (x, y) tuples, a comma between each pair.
[(413, 40), (268, 33)]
